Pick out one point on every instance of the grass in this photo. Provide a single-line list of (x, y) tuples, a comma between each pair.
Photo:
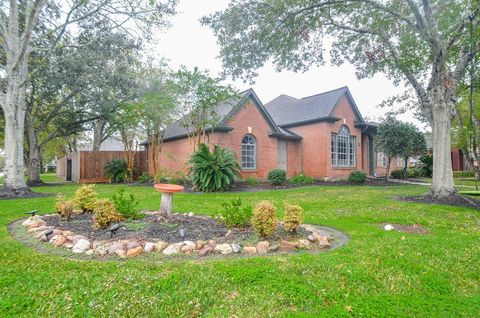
[(376, 274), (45, 177), (459, 182)]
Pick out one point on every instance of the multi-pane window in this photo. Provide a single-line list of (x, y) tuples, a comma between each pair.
[(249, 152), (343, 148)]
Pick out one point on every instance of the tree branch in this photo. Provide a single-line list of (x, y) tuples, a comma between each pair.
[(458, 29)]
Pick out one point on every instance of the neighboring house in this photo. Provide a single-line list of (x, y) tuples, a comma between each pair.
[(324, 136), (459, 162)]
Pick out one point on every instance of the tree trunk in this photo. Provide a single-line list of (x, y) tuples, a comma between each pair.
[(389, 160), (98, 134), (405, 169), (34, 153), (14, 107), (442, 182)]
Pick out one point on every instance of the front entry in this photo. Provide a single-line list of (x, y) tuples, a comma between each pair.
[(282, 154)]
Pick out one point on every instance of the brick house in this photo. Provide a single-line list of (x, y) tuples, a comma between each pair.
[(324, 136)]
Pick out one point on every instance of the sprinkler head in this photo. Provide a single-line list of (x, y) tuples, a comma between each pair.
[(32, 213)]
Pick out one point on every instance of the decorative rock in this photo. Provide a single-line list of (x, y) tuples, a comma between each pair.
[(189, 243), (57, 232), (190, 214), (273, 247), (68, 233), (121, 253), (132, 244), (101, 249), (81, 246), (115, 246), (135, 251), (77, 238), (323, 242), (89, 252), (187, 249), (58, 240), (224, 249), (207, 250), (200, 245), (262, 247), (160, 246), (249, 250), (212, 243), (286, 246), (303, 243), (173, 249), (36, 224), (38, 229), (236, 248), (312, 238), (31, 220), (149, 247), (68, 244)]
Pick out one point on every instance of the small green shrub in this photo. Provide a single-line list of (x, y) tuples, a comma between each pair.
[(301, 179), (105, 213), (251, 181), (357, 176), (116, 170), (277, 176), (293, 217), (464, 174), (64, 207), (178, 178), (213, 171), (264, 218), (415, 172), (397, 174), (234, 214), (85, 197), (161, 176), (145, 177), (427, 165), (126, 205)]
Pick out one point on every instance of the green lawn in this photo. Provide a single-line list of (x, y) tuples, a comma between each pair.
[(376, 274), (46, 177)]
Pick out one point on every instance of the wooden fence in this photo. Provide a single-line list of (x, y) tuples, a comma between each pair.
[(92, 164)]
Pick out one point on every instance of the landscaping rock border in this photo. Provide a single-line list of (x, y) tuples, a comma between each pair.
[(321, 238)]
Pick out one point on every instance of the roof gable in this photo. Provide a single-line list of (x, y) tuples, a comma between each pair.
[(289, 111)]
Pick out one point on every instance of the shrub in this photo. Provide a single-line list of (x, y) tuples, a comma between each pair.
[(161, 176), (85, 198), (277, 176), (397, 174), (145, 177), (301, 179), (293, 217), (178, 178), (105, 213), (251, 181), (264, 219), (427, 165), (64, 207), (126, 206), (415, 172), (213, 171), (234, 214), (357, 176), (464, 174), (116, 170)]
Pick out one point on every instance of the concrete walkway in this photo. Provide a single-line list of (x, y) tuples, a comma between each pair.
[(427, 184)]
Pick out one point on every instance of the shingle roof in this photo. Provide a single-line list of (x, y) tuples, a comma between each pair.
[(287, 110)]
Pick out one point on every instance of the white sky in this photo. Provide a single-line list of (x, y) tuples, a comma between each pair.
[(187, 42)]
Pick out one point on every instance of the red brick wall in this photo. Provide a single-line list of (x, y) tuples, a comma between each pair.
[(173, 157), (245, 117), (317, 152)]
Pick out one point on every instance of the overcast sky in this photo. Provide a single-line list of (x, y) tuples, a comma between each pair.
[(187, 42)]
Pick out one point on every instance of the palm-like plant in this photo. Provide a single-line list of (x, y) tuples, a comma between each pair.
[(213, 171), (116, 170)]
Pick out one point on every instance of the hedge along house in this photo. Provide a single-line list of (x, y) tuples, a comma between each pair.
[(324, 136)]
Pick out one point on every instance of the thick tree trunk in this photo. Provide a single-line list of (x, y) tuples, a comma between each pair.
[(442, 182), (98, 134), (14, 108)]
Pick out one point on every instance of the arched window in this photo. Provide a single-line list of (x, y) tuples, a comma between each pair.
[(249, 152), (343, 148)]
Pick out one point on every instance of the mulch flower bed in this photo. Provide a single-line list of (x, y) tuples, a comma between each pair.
[(185, 234), (453, 200)]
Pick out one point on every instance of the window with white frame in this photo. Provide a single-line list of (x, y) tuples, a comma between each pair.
[(343, 148), (249, 152)]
